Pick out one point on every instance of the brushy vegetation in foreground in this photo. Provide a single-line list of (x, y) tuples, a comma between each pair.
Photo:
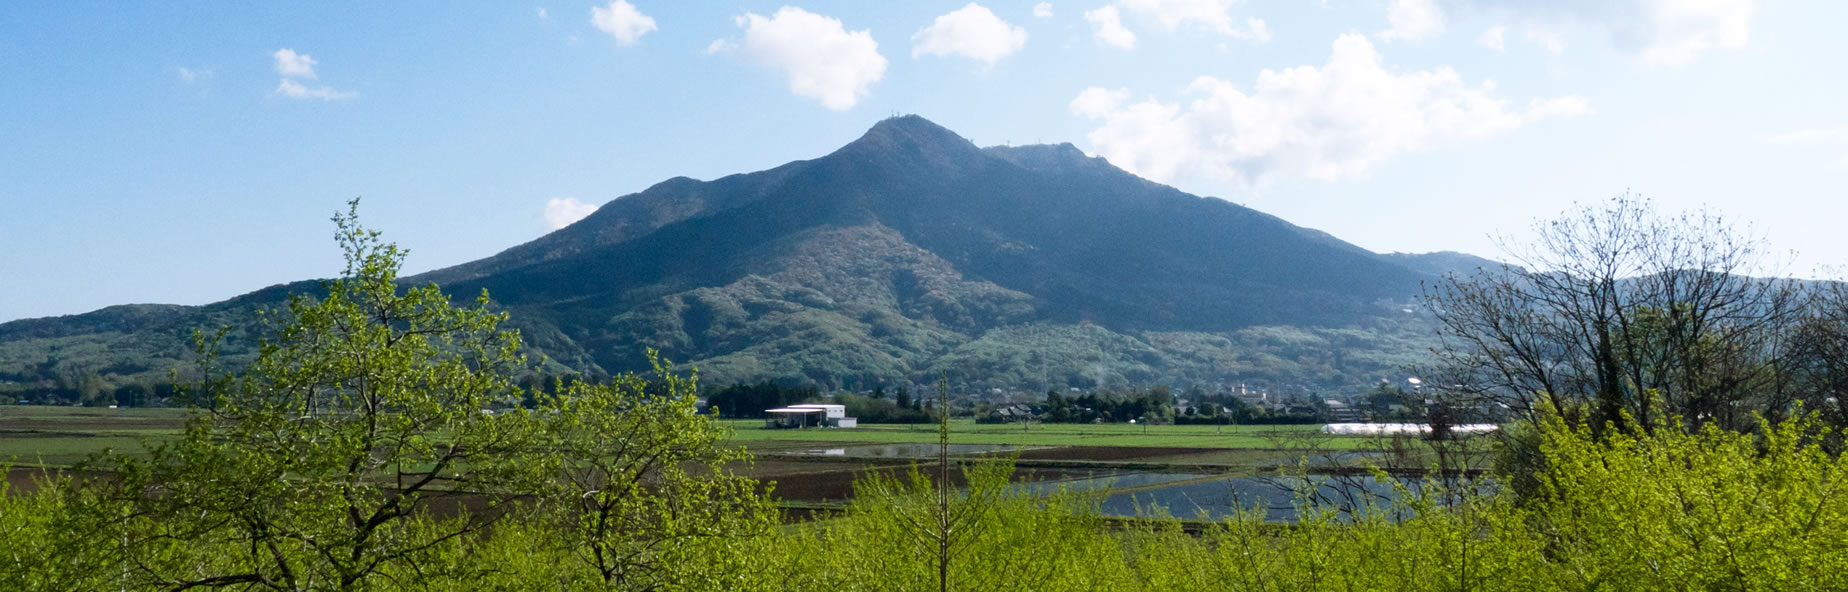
[(1671, 511)]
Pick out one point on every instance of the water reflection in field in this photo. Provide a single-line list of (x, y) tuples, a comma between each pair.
[(908, 450)]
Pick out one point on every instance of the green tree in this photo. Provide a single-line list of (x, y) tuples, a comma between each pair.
[(643, 497), (940, 523), (379, 434), (319, 463)]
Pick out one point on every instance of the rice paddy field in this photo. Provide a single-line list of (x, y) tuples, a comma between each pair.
[(63, 436), (815, 468), (748, 431)]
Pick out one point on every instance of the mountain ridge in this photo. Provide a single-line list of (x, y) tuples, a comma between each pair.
[(909, 252)]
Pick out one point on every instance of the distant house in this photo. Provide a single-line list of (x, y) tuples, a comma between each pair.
[(1343, 412), (810, 415), (1259, 399), (1014, 413)]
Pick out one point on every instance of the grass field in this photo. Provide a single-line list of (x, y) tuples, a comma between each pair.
[(749, 431), (62, 436), (37, 438)]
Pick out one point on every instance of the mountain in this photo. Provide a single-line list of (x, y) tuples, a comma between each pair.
[(906, 254), (1443, 263)]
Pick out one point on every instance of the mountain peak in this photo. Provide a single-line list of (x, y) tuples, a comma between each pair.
[(906, 255), (910, 133)]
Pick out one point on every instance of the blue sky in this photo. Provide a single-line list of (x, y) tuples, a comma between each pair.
[(156, 153)]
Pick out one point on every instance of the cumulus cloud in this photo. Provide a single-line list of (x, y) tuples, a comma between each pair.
[(1042, 10), (1413, 20), (972, 32), (294, 65), (296, 90), (543, 15), (563, 211), (1324, 122), (1495, 38), (1097, 102), (823, 60), (1210, 15), (1107, 25), (622, 21), (1660, 32)]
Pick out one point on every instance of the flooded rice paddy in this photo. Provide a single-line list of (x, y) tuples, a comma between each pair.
[(918, 451)]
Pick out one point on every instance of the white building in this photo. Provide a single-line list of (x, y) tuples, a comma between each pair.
[(810, 415)]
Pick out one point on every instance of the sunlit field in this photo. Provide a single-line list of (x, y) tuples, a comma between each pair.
[(968, 432)]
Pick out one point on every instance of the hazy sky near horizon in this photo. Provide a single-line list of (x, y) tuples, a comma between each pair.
[(154, 153)]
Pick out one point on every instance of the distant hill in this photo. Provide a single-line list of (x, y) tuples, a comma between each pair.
[(906, 254), (1443, 263)]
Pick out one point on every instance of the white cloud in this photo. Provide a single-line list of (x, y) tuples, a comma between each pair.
[(1495, 38), (1413, 20), (543, 15), (823, 60), (1677, 31), (1098, 102), (972, 32), (1659, 32), (1107, 24), (191, 75), (1255, 30), (622, 21), (1211, 15), (294, 65), (295, 90), (1042, 10), (1323, 122), (563, 211)]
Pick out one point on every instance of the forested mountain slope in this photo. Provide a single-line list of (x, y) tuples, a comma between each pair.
[(903, 255)]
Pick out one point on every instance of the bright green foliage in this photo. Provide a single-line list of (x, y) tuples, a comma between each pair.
[(637, 458), (365, 409), (1003, 538), (1714, 510), (35, 551)]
